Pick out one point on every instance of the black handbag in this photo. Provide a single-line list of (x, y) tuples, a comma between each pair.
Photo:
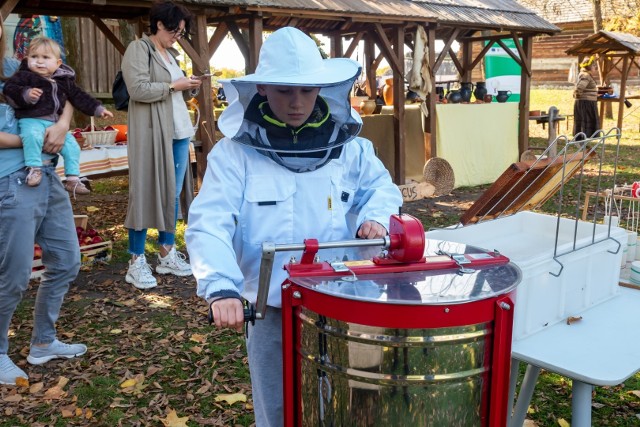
[(119, 91)]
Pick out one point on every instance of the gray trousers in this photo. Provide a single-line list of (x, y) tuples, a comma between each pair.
[(264, 348), (42, 214)]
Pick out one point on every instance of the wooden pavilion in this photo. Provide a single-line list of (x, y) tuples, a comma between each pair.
[(615, 52), (387, 25)]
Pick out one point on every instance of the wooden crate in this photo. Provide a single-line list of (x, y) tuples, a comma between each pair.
[(81, 221), (97, 252), (89, 254)]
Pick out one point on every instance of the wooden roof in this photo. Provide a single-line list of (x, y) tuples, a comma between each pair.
[(606, 42), (564, 12), (349, 16), (325, 16)]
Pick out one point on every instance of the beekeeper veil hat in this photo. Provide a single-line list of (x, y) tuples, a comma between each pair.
[(290, 57)]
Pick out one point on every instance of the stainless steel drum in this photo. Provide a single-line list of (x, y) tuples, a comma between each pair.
[(390, 347)]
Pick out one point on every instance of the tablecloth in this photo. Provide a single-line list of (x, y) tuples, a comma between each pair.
[(478, 140), (111, 160)]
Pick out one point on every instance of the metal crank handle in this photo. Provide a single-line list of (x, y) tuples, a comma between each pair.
[(269, 250), (249, 313)]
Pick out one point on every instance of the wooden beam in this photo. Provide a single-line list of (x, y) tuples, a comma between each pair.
[(623, 88), (431, 142), (378, 60), (217, 37), (398, 105), (456, 61), (370, 69), (482, 53), (255, 42), (385, 47), (525, 94), (353, 45), (7, 8), (510, 52), (205, 129), (198, 62), (445, 49), (240, 41), (115, 41), (516, 41), (336, 49)]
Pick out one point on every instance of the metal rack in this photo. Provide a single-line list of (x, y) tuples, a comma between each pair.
[(549, 175)]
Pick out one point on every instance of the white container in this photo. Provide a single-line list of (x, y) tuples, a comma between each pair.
[(589, 275)]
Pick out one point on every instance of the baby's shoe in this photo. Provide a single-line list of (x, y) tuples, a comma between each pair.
[(75, 186), (34, 177)]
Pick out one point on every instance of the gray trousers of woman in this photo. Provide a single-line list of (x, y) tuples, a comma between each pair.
[(42, 214)]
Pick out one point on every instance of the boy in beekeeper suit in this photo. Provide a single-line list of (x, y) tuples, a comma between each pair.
[(290, 167)]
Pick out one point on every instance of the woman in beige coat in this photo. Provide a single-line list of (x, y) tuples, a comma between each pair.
[(159, 130)]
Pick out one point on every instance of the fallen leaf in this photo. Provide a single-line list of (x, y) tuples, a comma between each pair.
[(22, 382), (35, 388), (199, 338), (54, 393), (196, 349), (563, 423), (92, 209), (636, 392), (13, 398), (231, 398), (115, 331), (173, 420), (573, 319), (62, 381), (128, 383)]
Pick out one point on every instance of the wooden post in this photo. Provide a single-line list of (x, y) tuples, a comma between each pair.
[(623, 88), (370, 69), (430, 148), (525, 95), (398, 102), (255, 42)]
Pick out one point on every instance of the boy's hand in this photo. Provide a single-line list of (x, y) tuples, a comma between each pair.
[(228, 313), (106, 113), (34, 94), (371, 230)]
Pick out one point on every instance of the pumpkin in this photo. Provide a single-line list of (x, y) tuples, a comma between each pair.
[(122, 132)]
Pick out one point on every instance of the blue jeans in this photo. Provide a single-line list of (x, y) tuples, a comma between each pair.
[(42, 214), (138, 238), (32, 134)]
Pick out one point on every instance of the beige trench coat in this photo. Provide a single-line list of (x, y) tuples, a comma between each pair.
[(150, 139)]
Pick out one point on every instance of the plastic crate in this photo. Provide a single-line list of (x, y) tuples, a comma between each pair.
[(589, 275)]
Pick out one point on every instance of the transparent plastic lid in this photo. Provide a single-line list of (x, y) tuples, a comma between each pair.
[(420, 287)]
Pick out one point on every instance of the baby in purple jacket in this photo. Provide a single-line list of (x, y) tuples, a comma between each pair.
[(38, 92)]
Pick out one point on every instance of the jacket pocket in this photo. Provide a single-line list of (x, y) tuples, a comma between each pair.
[(267, 211)]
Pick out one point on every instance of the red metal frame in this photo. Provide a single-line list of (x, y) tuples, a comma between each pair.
[(398, 316)]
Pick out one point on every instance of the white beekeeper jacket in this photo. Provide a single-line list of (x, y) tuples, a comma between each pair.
[(248, 196)]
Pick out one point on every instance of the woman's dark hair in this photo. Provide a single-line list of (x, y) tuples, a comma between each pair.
[(170, 14)]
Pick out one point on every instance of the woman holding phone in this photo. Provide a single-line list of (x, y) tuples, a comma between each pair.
[(159, 130)]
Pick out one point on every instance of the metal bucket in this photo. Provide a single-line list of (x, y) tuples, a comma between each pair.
[(399, 348), (358, 375)]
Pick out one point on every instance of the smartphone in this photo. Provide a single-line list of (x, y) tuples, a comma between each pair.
[(202, 76)]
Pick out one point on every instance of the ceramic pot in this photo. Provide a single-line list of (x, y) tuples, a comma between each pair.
[(480, 91), (488, 98), (503, 95), (454, 96), (465, 91), (387, 92), (368, 106)]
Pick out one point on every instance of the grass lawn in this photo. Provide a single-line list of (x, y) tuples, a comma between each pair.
[(153, 360)]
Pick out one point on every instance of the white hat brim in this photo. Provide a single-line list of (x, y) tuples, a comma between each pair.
[(333, 71)]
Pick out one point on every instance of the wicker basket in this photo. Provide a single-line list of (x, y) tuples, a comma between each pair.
[(100, 137)]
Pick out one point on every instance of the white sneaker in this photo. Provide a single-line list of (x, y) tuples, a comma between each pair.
[(140, 275), (9, 372), (174, 263)]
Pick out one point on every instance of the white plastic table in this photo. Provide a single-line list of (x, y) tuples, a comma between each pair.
[(602, 349)]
